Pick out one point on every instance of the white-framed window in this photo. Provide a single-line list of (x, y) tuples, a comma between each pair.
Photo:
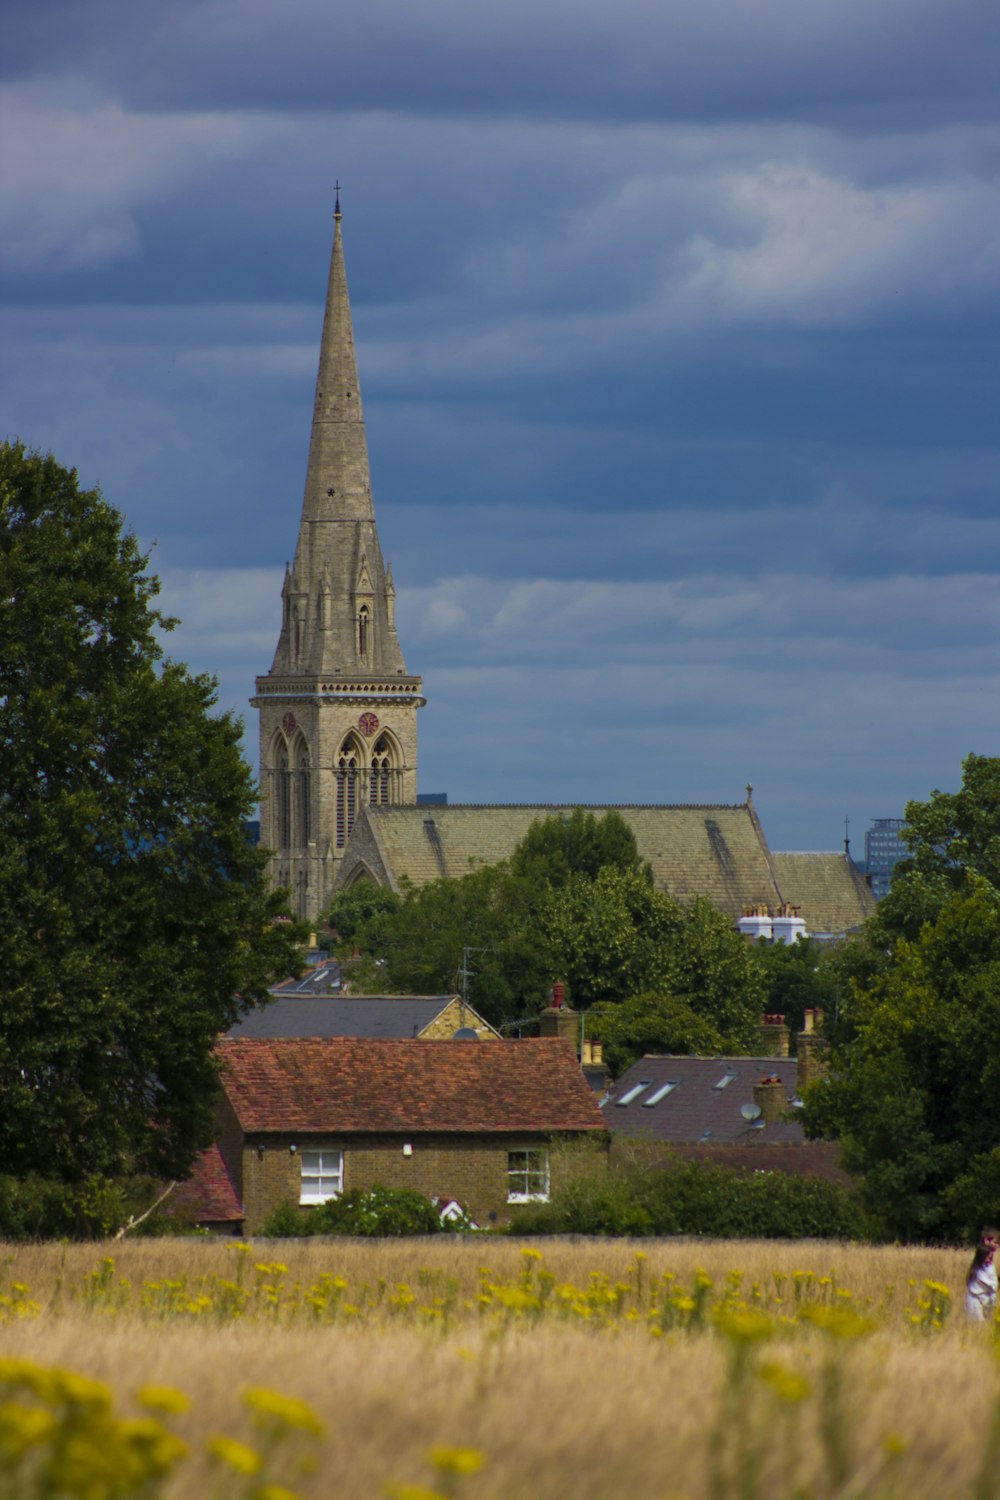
[(322, 1175), (528, 1175)]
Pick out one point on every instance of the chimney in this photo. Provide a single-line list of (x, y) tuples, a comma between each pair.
[(810, 1051), (559, 1019), (592, 1063), (770, 1095), (755, 924), (774, 1036)]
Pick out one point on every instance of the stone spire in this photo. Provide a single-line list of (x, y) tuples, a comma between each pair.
[(338, 710), (338, 613)]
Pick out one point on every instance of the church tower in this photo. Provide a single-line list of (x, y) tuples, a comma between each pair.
[(338, 711)]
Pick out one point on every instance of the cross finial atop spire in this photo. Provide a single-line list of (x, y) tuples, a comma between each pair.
[(336, 202)]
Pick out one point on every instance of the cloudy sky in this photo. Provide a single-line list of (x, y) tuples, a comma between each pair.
[(678, 331)]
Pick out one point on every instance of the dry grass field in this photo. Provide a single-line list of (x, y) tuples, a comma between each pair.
[(481, 1368)]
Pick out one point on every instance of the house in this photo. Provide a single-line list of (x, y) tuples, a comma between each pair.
[(426, 1017), (734, 1111), (301, 1120)]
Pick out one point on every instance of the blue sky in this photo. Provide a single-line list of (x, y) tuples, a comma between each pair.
[(677, 328)]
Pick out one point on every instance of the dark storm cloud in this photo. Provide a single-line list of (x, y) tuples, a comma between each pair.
[(850, 60), (677, 329)]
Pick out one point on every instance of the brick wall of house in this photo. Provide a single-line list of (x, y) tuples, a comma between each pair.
[(472, 1169), (444, 1026)]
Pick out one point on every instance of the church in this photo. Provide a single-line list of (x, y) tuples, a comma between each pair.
[(338, 722)]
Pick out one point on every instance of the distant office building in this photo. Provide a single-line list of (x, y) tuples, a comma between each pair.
[(883, 848)]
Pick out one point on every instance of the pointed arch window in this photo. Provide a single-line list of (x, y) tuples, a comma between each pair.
[(364, 623), (347, 791), (378, 784), (284, 799), (303, 789)]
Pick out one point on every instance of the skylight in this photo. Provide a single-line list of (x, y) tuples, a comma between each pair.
[(633, 1092), (660, 1093), (725, 1080)]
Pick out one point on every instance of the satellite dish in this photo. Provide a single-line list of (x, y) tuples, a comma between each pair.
[(751, 1112), (465, 1034)]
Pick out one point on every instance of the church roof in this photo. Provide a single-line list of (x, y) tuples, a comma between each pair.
[(829, 885), (714, 850)]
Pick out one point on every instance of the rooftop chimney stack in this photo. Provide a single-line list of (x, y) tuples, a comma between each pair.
[(769, 1094), (810, 1051), (775, 1036)]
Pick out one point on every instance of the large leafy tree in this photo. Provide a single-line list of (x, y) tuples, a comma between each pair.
[(951, 836), (578, 843), (604, 930), (913, 1086), (136, 921)]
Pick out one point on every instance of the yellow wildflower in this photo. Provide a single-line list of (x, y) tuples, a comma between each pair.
[(239, 1456), (288, 1410), (164, 1398), (457, 1460)]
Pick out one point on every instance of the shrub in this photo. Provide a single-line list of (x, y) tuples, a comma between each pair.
[(691, 1198), (286, 1222), (378, 1212)]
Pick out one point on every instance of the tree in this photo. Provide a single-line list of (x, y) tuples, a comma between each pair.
[(615, 936), (951, 836), (912, 1089), (360, 908), (555, 848), (628, 1029), (136, 920), (419, 948)]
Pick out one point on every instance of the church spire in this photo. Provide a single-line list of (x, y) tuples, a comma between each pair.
[(338, 710), (338, 610), (338, 481)]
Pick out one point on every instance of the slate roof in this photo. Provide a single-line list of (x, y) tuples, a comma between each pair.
[(716, 851), (400, 1016), (209, 1194), (829, 885), (697, 1110), (350, 1085)]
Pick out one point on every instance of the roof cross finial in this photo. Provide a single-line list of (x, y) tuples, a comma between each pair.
[(336, 203)]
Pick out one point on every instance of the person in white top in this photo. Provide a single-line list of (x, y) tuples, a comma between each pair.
[(981, 1281)]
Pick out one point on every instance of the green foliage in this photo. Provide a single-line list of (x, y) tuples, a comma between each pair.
[(609, 935), (954, 836), (135, 909), (692, 1198), (286, 1222), (579, 843), (359, 909), (650, 1023), (912, 1089), (377, 1213), (420, 945), (799, 977)]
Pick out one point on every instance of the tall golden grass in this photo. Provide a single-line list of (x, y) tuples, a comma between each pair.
[(745, 1403)]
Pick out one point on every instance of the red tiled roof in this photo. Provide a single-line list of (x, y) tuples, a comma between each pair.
[(208, 1195), (350, 1084)]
